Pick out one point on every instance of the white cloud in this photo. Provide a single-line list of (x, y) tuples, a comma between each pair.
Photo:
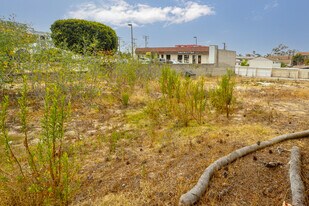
[(119, 13), (271, 5)]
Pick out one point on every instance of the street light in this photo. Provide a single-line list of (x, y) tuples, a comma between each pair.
[(195, 40), (131, 25)]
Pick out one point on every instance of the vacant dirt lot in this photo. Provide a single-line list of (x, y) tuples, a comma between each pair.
[(123, 157)]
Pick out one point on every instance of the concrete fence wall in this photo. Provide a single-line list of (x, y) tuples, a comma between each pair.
[(200, 69), (268, 72), (212, 70)]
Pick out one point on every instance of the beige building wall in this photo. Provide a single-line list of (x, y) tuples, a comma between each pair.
[(226, 58)]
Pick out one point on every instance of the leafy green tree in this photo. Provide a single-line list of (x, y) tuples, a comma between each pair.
[(283, 50), (83, 36), (298, 59)]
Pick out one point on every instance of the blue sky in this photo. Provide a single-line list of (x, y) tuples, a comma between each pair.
[(245, 25)]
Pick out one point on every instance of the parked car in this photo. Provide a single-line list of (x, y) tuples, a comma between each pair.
[(162, 60), (172, 62), (144, 60)]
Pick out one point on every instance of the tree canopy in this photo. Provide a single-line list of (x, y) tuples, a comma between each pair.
[(283, 50), (83, 36), (298, 59)]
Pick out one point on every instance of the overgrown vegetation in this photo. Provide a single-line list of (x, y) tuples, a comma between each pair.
[(43, 176), (14, 42), (47, 91)]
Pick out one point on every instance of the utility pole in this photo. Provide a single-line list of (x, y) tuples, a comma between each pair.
[(146, 40), (224, 45), (119, 38), (134, 42), (195, 40), (131, 25)]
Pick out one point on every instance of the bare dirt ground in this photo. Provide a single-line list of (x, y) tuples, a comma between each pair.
[(154, 163)]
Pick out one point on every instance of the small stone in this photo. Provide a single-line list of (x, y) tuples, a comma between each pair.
[(152, 175), (71, 133)]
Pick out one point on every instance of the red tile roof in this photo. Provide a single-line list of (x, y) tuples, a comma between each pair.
[(304, 53), (174, 50), (279, 57)]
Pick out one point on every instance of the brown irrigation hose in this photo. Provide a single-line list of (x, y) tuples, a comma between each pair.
[(297, 185), (199, 189)]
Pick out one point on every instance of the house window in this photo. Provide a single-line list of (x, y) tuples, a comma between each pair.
[(168, 57), (199, 59), (162, 56), (179, 58), (186, 58), (193, 59)]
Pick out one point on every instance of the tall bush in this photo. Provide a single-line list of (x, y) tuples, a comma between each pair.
[(83, 36), (44, 179), (184, 99)]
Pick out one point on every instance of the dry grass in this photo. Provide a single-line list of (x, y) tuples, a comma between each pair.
[(155, 162)]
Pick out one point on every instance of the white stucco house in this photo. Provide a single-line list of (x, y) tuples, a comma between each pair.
[(192, 54), (258, 67), (261, 62)]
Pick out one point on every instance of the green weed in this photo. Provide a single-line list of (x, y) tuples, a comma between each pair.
[(222, 97)]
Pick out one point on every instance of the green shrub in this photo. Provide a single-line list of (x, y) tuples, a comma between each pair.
[(283, 64), (170, 83), (222, 97), (83, 36), (185, 99), (44, 171), (125, 99), (298, 59), (244, 62)]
